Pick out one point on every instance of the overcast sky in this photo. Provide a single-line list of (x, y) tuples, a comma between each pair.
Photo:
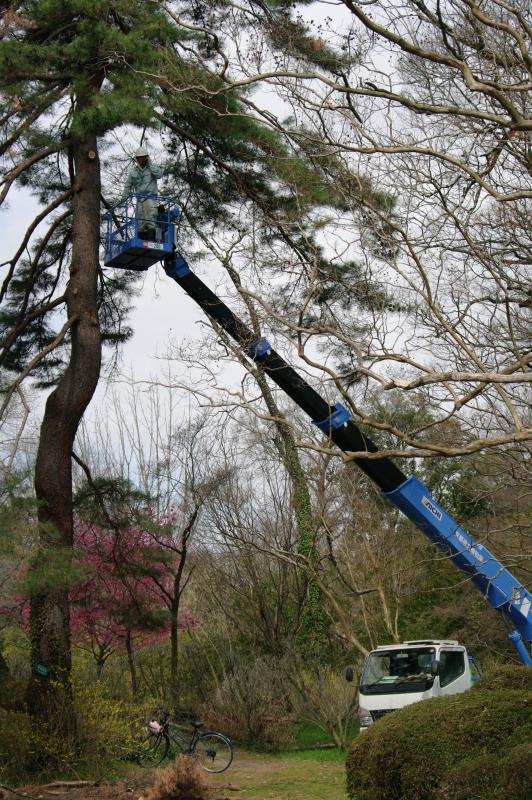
[(163, 315)]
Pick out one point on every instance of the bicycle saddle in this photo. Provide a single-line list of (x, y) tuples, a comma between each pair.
[(197, 725)]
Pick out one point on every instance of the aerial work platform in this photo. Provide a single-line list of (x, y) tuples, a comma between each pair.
[(127, 249), (140, 231)]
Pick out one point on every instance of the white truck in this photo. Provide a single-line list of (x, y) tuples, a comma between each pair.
[(397, 675)]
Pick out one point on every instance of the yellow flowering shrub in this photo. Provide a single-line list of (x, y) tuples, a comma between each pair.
[(105, 730)]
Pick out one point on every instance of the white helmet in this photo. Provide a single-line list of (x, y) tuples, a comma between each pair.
[(142, 151)]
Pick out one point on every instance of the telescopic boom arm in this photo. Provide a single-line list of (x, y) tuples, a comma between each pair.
[(500, 588), (135, 241)]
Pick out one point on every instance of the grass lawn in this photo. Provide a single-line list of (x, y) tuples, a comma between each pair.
[(301, 775), (309, 735), (305, 775)]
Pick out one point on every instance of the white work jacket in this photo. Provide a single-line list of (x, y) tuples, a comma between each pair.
[(142, 180)]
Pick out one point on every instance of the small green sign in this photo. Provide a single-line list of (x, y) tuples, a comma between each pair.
[(41, 670)]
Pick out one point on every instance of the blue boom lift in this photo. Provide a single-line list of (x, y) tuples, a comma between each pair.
[(127, 250)]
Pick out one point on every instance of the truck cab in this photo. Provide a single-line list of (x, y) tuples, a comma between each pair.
[(397, 675)]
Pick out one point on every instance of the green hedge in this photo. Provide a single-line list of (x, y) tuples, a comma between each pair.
[(507, 676), (461, 747), (506, 775)]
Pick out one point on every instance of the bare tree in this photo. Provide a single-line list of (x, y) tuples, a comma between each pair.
[(425, 137), (170, 459)]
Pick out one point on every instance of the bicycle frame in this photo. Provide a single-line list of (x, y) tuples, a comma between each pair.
[(180, 741)]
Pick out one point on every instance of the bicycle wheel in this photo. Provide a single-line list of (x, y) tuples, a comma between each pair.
[(153, 749), (214, 751)]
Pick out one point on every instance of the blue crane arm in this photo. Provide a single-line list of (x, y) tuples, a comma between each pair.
[(500, 588)]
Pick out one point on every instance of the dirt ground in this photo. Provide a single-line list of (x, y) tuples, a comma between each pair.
[(106, 790), (250, 777)]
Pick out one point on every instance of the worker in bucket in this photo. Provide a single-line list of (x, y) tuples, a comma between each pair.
[(142, 179)]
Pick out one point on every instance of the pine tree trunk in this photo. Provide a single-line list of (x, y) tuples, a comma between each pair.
[(6, 688), (174, 612), (49, 614)]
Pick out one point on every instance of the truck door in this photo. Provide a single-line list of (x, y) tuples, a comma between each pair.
[(454, 672)]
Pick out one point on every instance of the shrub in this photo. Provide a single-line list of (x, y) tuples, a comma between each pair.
[(30, 747), (15, 748), (11, 692), (182, 780), (507, 676), (250, 706), (323, 697), (428, 750), (105, 729), (488, 776)]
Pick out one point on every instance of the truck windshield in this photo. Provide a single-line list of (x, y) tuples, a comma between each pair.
[(392, 671)]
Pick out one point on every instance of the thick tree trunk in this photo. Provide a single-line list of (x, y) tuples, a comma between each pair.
[(49, 615), (176, 605), (101, 657), (312, 632)]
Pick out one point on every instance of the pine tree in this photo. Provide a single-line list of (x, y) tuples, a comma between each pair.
[(71, 71), (69, 74)]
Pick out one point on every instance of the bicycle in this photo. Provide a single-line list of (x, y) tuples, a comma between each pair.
[(213, 749)]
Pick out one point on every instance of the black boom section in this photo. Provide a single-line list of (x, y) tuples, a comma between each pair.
[(347, 437), (381, 470)]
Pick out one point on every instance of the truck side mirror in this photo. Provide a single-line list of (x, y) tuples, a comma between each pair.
[(349, 674), (434, 667)]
